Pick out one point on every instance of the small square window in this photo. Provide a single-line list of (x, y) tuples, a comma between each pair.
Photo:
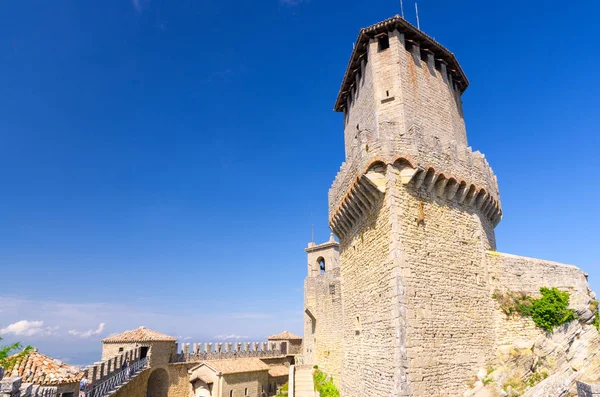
[(384, 42)]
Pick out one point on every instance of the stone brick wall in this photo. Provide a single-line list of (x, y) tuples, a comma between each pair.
[(179, 381), (137, 387), (322, 299), (254, 382), (371, 322), (448, 315), (521, 274), (359, 118)]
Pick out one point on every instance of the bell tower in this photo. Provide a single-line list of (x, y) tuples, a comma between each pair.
[(414, 208)]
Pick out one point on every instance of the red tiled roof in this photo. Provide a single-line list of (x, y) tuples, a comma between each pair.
[(141, 334), (285, 336), (279, 370), (39, 369)]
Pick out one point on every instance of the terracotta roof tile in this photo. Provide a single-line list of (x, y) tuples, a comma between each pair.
[(285, 336), (279, 370), (39, 369), (239, 365), (141, 334)]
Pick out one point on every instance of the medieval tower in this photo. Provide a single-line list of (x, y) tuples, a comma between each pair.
[(406, 309)]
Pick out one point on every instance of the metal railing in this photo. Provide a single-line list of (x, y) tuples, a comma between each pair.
[(117, 379)]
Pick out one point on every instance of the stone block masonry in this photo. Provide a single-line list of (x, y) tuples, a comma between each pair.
[(414, 208)]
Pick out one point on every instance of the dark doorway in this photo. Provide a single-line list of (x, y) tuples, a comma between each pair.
[(144, 352), (283, 347)]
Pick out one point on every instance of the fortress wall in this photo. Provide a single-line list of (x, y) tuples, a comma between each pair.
[(137, 387), (522, 274), (322, 297), (179, 380), (369, 295), (448, 307)]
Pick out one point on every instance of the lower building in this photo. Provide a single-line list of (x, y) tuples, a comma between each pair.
[(46, 372)]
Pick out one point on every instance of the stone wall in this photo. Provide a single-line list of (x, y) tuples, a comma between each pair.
[(322, 320), (448, 315), (179, 381), (521, 274), (371, 323), (359, 119), (137, 387), (251, 384)]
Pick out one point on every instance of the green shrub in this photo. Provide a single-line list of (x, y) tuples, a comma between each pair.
[(547, 312), (325, 385), (552, 309), (597, 320)]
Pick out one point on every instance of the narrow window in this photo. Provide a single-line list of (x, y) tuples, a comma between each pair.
[(120, 349), (387, 93), (321, 262), (230, 393), (384, 42), (246, 391)]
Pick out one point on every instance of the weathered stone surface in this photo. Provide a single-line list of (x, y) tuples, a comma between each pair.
[(418, 266)]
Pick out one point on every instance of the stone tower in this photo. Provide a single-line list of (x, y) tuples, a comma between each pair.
[(323, 307), (414, 209)]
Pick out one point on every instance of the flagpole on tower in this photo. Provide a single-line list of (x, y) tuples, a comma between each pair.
[(417, 12), (402, 8)]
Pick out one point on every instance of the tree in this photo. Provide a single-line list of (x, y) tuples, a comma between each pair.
[(6, 360)]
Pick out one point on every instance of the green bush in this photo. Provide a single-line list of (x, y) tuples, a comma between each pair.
[(597, 320), (547, 312), (324, 385), (552, 309)]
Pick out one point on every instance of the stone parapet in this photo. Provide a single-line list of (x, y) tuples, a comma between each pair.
[(199, 351), (424, 152)]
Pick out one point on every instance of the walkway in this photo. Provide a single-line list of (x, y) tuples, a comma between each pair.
[(112, 384), (303, 382)]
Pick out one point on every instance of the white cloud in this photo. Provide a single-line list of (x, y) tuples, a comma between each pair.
[(88, 333), (230, 337), (28, 328)]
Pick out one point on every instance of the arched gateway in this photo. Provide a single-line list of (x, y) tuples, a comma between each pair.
[(158, 384)]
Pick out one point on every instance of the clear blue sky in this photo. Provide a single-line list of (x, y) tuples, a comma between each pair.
[(161, 161)]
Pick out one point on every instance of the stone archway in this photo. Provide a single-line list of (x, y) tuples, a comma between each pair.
[(158, 383)]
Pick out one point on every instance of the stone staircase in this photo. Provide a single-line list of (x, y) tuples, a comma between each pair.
[(303, 382), (117, 380)]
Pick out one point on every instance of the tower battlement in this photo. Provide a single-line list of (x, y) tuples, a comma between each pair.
[(402, 107)]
